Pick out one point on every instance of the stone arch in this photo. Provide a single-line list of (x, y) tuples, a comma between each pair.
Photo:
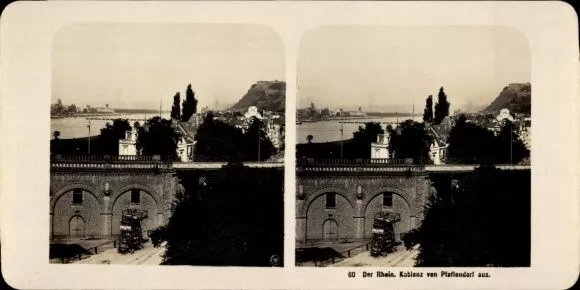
[(394, 190), (401, 204), (62, 211), (148, 202), (61, 191), (304, 209), (150, 191), (317, 214)]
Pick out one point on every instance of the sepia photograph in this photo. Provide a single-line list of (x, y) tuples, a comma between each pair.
[(413, 147), (165, 138)]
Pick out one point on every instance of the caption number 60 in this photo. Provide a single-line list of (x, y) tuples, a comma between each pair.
[(351, 274)]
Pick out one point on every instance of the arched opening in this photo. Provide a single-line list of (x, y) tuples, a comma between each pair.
[(329, 216), (77, 227), (76, 212), (135, 198), (389, 202)]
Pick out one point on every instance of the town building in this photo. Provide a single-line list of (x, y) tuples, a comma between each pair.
[(128, 145), (380, 149)]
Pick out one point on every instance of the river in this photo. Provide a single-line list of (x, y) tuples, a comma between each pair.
[(77, 127), (327, 131)]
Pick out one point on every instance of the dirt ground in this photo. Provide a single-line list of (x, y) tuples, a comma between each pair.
[(400, 258), (146, 256)]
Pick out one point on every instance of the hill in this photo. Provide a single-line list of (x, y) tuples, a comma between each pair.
[(266, 95), (516, 97)]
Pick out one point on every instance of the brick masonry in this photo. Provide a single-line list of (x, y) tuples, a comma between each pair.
[(358, 198), (99, 214)]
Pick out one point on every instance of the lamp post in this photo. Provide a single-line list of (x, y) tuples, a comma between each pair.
[(341, 138), (89, 146)]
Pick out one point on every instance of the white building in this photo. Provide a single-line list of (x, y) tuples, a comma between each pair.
[(380, 149), (128, 146), (438, 149), (504, 114), (252, 112)]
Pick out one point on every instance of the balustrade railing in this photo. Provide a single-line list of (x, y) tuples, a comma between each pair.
[(103, 158), (359, 161)]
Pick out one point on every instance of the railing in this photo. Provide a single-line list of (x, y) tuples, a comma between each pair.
[(359, 161), (104, 158)]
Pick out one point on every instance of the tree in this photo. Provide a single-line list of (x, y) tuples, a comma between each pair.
[(410, 140), (362, 139), (199, 233), (218, 141), (189, 105), (111, 134), (484, 220), (441, 108), (509, 148), (176, 108), (428, 112), (309, 138), (258, 146), (158, 138), (56, 135), (470, 144)]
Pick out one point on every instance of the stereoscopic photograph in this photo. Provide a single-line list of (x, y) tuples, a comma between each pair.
[(167, 145), (413, 147)]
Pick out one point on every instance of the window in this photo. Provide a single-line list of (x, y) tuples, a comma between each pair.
[(387, 199), (77, 196), (135, 196), (330, 200)]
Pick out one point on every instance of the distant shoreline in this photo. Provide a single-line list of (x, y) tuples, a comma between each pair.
[(118, 112)]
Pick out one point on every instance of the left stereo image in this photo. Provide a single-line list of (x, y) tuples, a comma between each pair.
[(167, 145)]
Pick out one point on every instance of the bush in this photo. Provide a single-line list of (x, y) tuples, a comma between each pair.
[(158, 236)]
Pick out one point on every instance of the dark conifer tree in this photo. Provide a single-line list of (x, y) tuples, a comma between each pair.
[(189, 105), (176, 108), (428, 113), (441, 108)]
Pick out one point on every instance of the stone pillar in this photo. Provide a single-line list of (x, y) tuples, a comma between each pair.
[(300, 230), (359, 218), (160, 219), (50, 222), (106, 217), (359, 227)]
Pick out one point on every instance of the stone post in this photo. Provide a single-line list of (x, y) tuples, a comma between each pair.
[(106, 217), (359, 219)]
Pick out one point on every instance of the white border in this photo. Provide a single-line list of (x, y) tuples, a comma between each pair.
[(27, 30)]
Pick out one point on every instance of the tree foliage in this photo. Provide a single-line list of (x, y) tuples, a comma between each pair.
[(362, 139), (158, 137), (428, 112), (189, 105), (472, 144), (410, 140), (235, 218), (110, 136), (441, 108), (482, 221), (176, 108), (219, 141)]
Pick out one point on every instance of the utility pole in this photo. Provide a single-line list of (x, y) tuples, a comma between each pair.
[(413, 111), (259, 144), (511, 142), (89, 126), (160, 102), (341, 138)]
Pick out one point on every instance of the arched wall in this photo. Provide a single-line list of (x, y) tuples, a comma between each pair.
[(400, 206), (64, 209), (317, 214), (123, 201)]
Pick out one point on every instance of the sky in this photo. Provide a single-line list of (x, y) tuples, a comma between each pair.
[(389, 68), (140, 66)]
